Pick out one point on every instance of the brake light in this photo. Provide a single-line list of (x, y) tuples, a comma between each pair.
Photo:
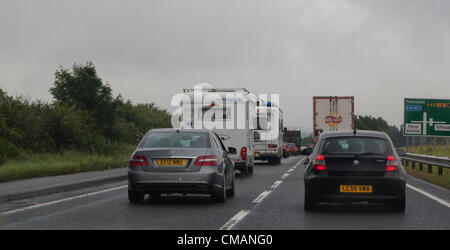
[(244, 153), (208, 160), (272, 146), (138, 161), (392, 164), (319, 163)]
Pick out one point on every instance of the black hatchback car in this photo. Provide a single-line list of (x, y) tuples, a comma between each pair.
[(353, 166)]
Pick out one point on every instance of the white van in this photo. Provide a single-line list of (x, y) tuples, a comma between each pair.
[(234, 108), (270, 150)]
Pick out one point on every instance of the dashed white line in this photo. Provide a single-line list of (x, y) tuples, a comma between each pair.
[(284, 176), (62, 200), (443, 202), (276, 184), (241, 214), (234, 220), (261, 196)]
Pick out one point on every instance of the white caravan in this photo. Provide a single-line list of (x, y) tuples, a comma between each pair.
[(271, 150), (230, 112)]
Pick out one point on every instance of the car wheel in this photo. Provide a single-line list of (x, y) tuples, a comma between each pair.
[(250, 168), (221, 195), (310, 203), (399, 205), (244, 170), (231, 191), (135, 196), (155, 197)]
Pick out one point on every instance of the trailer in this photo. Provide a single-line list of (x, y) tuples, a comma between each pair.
[(272, 149), (233, 111), (331, 113)]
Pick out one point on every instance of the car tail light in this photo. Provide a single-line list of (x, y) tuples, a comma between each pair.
[(138, 161), (272, 146), (244, 153), (319, 163), (392, 164), (208, 160)]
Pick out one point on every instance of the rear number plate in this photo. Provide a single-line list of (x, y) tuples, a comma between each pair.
[(355, 188), (171, 162)]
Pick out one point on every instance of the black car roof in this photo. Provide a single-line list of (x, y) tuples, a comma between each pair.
[(340, 133)]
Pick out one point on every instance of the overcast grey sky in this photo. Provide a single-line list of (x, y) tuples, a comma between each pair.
[(378, 51)]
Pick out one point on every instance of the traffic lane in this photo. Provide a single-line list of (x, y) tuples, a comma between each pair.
[(111, 210), (428, 187), (283, 209)]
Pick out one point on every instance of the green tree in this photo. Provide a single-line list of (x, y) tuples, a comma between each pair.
[(7, 134), (367, 122), (84, 89)]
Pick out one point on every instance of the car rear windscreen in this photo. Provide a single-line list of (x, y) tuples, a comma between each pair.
[(355, 145), (177, 140)]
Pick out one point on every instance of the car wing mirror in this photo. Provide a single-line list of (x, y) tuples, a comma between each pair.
[(232, 150), (401, 153)]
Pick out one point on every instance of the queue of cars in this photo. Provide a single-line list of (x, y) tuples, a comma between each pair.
[(343, 166), (290, 149)]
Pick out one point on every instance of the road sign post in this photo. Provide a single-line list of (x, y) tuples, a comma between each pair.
[(426, 117)]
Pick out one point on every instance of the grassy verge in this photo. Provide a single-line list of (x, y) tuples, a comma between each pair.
[(68, 162), (441, 150), (443, 180)]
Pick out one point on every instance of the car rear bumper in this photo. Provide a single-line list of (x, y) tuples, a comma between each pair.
[(260, 155), (384, 189), (205, 181)]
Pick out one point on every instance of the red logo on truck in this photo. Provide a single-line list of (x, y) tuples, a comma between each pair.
[(333, 119)]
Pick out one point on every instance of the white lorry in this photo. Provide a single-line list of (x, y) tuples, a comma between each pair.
[(230, 112), (271, 150), (332, 113)]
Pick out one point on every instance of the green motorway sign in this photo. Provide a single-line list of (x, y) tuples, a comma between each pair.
[(426, 117)]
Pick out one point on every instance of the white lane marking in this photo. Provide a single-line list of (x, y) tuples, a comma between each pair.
[(261, 196), (234, 220), (276, 184), (241, 214), (443, 202), (62, 200), (284, 176)]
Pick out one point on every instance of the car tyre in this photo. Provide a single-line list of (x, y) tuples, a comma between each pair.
[(399, 205), (136, 197), (155, 197), (278, 161), (310, 203), (244, 170), (231, 192), (221, 195)]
